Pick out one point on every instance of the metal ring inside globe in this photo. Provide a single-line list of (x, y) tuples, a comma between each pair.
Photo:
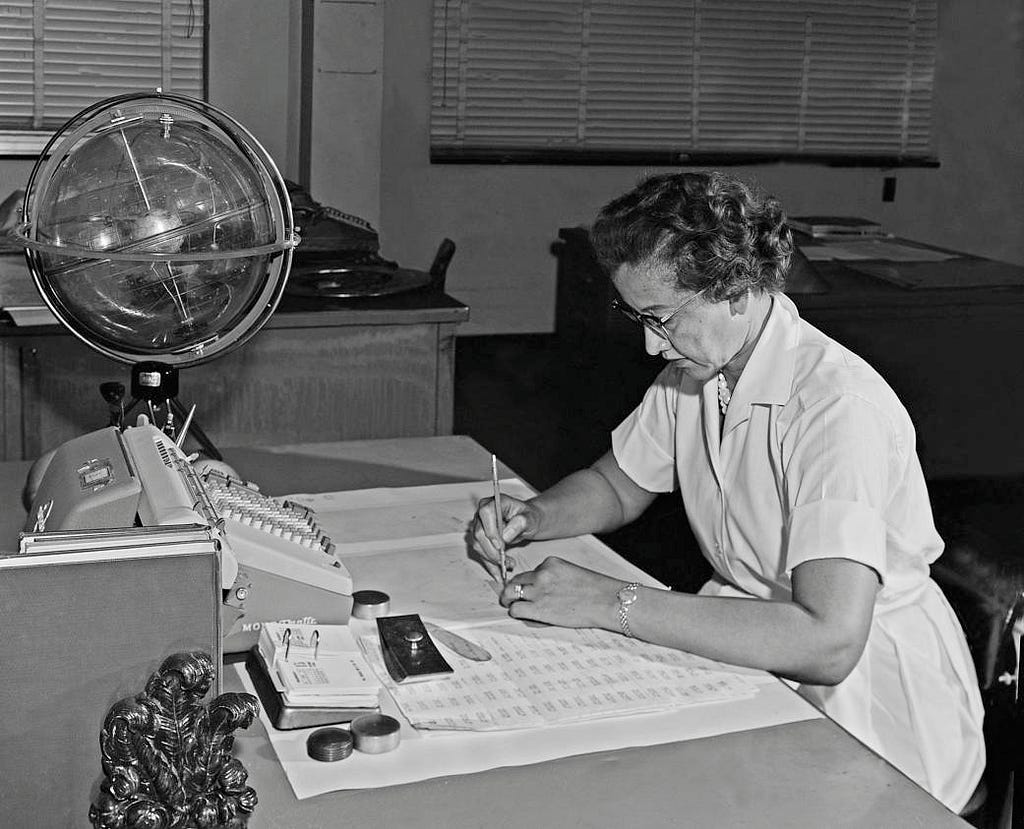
[(158, 228)]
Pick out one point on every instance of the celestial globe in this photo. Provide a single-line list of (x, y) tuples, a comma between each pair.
[(158, 229)]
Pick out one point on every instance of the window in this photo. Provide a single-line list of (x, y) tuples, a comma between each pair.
[(59, 56), (670, 81)]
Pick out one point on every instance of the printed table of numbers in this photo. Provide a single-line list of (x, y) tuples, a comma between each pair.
[(548, 676)]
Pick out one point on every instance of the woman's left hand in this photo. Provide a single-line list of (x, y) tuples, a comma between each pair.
[(561, 593)]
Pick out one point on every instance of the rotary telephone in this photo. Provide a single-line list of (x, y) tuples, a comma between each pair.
[(339, 255), (329, 234)]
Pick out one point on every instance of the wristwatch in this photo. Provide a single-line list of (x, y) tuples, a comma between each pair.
[(627, 595)]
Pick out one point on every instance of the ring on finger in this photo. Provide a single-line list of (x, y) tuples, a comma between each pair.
[(517, 596)]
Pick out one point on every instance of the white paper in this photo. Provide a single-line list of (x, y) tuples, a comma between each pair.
[(550, 676), (369, 519), (25, 316), (433, 573), (305, 641), (865, 249), (422, 755), (37, 557)]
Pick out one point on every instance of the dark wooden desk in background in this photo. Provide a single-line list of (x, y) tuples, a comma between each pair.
[(953, 355), (371, 368)]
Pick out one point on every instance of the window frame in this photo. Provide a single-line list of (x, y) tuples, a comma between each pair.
[(18, 143), (921, 26)]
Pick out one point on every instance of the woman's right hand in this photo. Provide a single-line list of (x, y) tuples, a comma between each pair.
[(520, 521)]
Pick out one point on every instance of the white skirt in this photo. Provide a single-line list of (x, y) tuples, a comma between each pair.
[(913, 697)]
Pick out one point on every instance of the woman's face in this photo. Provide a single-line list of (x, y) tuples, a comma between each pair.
[(702, 337)]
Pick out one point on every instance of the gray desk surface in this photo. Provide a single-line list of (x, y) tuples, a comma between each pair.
[(807, 774)]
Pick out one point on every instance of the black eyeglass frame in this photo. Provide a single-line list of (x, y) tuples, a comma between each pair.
[(649, 321)]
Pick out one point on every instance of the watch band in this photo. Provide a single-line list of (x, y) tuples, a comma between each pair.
[(626, 596)]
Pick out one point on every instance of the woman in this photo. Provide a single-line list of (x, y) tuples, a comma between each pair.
[(796, 464)]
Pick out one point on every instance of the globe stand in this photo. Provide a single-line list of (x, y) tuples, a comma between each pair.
[(156, 227), (156, 385)]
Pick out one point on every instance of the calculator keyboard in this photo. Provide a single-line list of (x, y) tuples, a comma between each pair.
[(288, 567), (242, 502)]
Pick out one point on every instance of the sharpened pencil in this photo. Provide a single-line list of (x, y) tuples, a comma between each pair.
[(499, 518), (184, 426)]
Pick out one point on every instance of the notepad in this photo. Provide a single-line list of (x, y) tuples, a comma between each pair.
[(317, 666)]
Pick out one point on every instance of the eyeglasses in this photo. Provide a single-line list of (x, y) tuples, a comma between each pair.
[(649, 321)]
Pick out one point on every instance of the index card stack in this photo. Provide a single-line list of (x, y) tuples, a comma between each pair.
[(317, 666)]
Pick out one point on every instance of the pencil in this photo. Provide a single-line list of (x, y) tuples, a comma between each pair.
[(499, 519), (185, 425)]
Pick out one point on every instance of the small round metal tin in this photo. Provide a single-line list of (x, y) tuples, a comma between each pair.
[(375, 733), (369, 604), (329, 744)]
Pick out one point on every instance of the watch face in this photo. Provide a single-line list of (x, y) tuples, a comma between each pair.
[(627, 595)]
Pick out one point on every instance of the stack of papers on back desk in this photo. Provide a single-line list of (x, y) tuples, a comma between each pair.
[(886, 250), (19, 298)]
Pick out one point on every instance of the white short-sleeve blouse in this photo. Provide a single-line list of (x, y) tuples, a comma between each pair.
[(816, 459)]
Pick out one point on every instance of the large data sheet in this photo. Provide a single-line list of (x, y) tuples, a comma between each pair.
[(412, 544), (541, 676), (423, 755)]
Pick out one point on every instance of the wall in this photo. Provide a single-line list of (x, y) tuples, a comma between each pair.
[(345, 151), (253, 66), (256, 75), (14, 173), (504, 219)]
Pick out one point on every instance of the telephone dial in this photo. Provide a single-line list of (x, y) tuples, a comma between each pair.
[(339, 256)]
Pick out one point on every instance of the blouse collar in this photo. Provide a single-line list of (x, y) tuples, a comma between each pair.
[(767, 377)]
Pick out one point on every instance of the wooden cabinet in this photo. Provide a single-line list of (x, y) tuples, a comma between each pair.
[(379, 368), (950, 347)]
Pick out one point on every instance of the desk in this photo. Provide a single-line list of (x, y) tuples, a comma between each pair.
[(317, 371), (951, 354), (809, 773)]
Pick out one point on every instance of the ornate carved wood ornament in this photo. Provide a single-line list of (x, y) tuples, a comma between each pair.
[(167, 758)]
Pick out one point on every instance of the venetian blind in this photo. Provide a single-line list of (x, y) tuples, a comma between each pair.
[(59, 56), (686, 78)]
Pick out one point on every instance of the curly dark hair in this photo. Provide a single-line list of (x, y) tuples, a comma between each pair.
[(722, 237)]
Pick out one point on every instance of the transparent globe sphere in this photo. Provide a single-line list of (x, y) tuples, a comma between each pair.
[(157, 228)]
